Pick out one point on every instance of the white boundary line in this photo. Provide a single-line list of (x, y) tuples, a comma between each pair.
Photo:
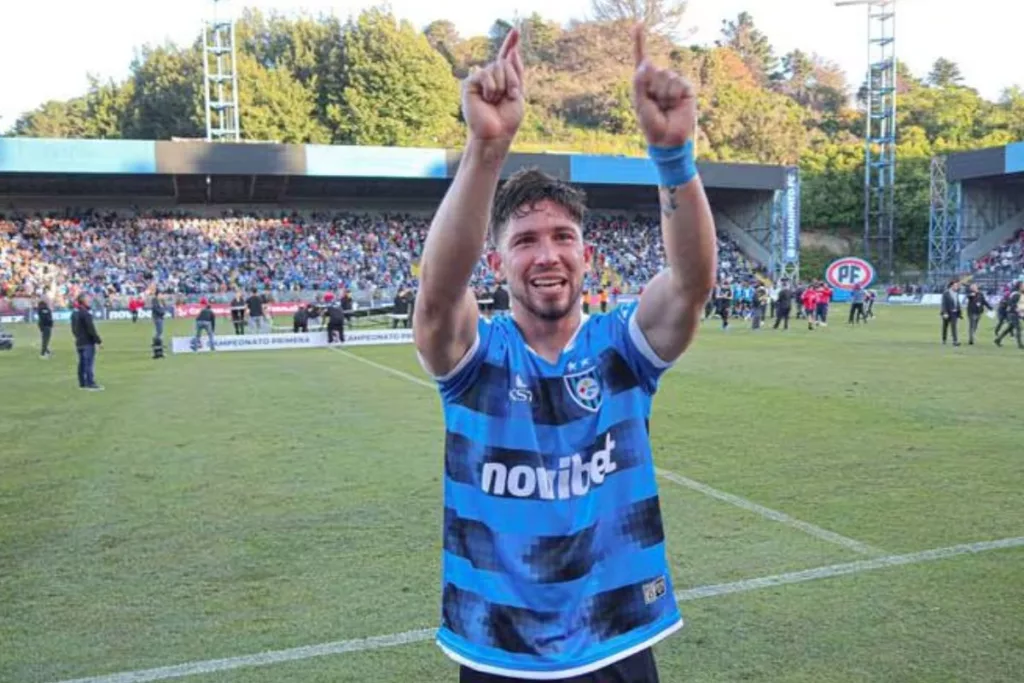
[(742, 503), (407, 637), (774, 515)]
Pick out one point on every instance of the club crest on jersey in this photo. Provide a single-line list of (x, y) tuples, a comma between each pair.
[(585, 389)]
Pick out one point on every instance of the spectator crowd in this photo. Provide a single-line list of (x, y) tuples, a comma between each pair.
[(111, 254), (1005, 262)]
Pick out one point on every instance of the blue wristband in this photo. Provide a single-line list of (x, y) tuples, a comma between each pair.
[(676, 165)]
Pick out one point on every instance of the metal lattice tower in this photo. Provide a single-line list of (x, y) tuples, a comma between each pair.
[(221, 77), (880, 135), (945, 241)]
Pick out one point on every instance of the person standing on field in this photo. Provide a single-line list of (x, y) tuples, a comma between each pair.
[(976, 305), (87, 341), (554, 563), (44, 314), (1014, 315), (951, 311)]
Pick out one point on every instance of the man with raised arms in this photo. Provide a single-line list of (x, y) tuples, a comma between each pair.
[(554, 563)]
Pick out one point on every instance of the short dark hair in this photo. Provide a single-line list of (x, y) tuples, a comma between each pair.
[(525, 189)]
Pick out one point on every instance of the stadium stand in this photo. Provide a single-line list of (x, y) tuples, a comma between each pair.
[(117, 253), (1003, 264)]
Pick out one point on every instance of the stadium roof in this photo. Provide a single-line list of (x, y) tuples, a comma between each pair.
[(265, 172), (992, 162)]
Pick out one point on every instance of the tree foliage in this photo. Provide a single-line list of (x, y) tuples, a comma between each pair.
[(659, 16), (376, 80)]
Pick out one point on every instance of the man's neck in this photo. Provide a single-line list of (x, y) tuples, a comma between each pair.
[(548, 338)]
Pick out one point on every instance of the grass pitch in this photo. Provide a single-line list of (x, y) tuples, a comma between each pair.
[(219, 506)]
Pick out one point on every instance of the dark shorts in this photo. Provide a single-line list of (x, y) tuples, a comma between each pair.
[(638, 668)]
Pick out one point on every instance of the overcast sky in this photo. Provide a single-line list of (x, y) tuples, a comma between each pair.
[(48, 48)]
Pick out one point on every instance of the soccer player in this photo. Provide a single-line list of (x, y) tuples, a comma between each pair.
[(554, 563)]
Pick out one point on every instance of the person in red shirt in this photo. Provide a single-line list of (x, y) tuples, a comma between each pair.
[(824, 299), (809, 301)]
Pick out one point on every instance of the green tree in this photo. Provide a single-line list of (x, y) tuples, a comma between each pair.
[(538, 39), (54, 119), (945, 73), (744, 124), (307, 47), (443, 37), (166, 94), (397, 89), (106, 108), (275, 106), (752, 46)]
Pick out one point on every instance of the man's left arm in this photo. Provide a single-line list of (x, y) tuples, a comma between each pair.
[(670, 307)]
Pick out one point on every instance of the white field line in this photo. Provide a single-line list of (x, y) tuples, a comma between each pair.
[(774, 515), (743, 503), (406, 637)]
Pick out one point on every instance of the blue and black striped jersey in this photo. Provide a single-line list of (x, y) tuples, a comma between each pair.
[(554, 561)]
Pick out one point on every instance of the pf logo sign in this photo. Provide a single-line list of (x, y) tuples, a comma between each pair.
[(848, 272)]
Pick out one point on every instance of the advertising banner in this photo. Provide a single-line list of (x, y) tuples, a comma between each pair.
[(849, 272), (224, 310), (791, 228), (274, 342)]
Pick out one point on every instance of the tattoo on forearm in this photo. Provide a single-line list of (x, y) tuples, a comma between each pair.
[(667, 196)]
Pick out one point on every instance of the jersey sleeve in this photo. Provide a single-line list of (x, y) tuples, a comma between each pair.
[(632, 344), (465, 371)]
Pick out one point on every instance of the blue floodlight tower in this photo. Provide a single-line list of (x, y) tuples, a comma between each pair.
[(945, 237), (880, 136), (221, 77)]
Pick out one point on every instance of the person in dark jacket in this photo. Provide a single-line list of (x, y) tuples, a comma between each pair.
[(300, 321), (501, 300), (1001, 311), (400, 309), (783, 306), (976, 305), (87, 340), (336, 321), (255, 305), (1014, 315), (206, 321), (951, 311), (45, 320), (158, 311), (238, 307), (856, 306)]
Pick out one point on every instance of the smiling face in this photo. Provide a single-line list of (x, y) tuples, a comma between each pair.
[(536, 227), (542, 258)]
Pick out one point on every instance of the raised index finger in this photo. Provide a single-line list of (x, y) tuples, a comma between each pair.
[(511, 40), (639, 52)]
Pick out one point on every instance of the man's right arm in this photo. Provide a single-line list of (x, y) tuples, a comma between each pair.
[(445, 314)]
